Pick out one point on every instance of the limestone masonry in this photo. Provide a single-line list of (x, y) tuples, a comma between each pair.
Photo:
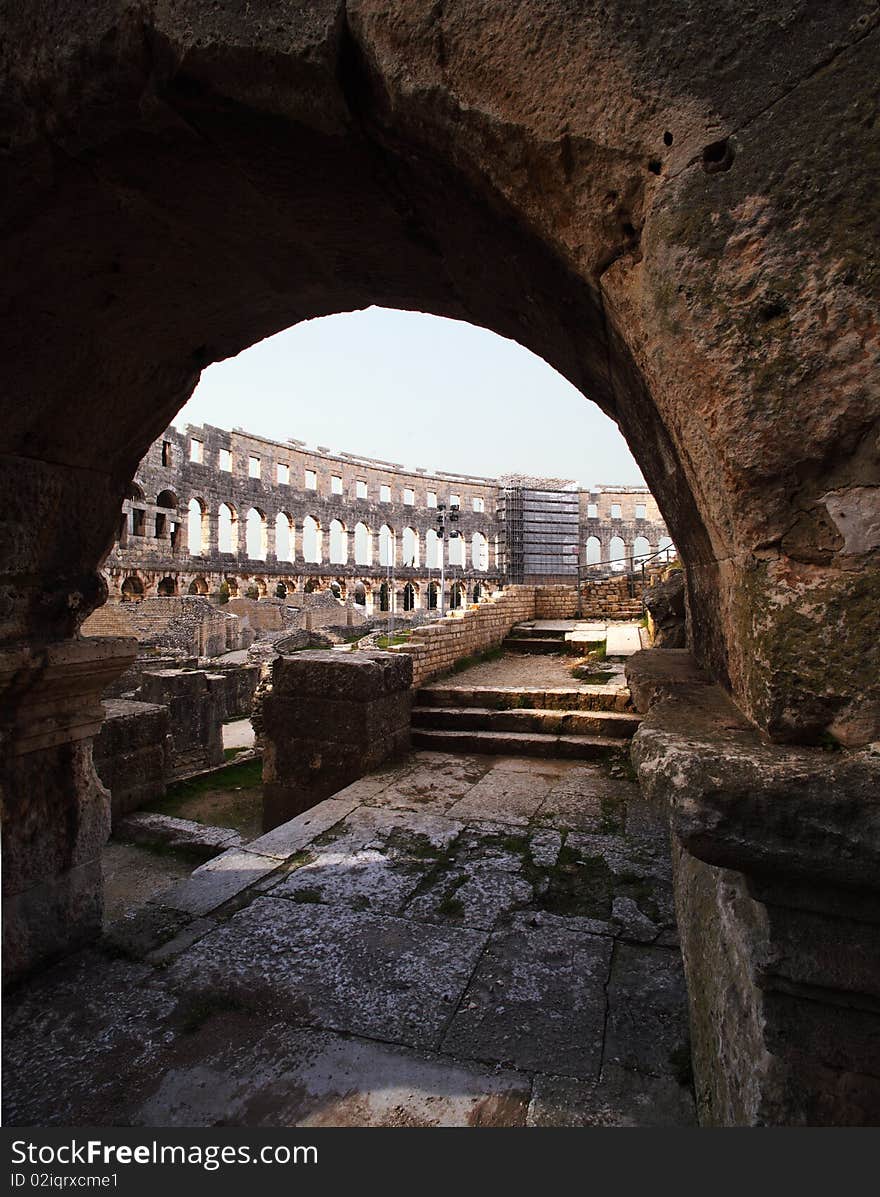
[(209, 507)]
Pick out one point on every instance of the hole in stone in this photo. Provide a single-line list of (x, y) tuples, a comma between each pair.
[(655, 166), (718, 156), (667, 138)]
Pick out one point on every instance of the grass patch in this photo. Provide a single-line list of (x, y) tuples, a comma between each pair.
[(599, 651), (246, 776), (586, 673), (392, 641), (229, 753)]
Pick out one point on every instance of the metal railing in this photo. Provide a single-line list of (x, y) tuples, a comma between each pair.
[(635, 574)]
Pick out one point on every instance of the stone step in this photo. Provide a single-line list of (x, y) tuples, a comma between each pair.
[(591, 698), (536, 719), (533, 644), (538, 633), (497, 743)]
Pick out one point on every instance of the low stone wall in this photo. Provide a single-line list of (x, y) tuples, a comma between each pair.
[(328, 719), (235, 690), (436, 647), (609, 598), (131, 754), (195, 701), (266, 616), (556, 602)]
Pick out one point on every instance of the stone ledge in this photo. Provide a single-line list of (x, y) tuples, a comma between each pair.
[(739, 802), (654, 672)]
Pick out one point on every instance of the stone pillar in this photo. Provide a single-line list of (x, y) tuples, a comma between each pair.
[(56, 812), (210, 534), (776, 863), (328, 719), (269, 532)]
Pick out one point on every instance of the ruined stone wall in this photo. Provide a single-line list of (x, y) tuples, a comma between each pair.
[(627, 514), (436, 647), (195, 701), (556, 602), (132, 754)]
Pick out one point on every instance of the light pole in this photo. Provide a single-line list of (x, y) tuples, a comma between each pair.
[(441, 537)]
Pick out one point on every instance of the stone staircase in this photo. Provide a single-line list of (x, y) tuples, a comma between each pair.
[(573, 724), (528, 638)]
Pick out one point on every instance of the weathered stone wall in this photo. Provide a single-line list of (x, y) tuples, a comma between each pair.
[(131, 754), (436, 647), (195, 700), (328, 719)]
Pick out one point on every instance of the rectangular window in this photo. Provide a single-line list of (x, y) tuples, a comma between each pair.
[(455, 500), (432, 498), (282, 474), (479, 505), (409, 496), (335, 484), (615, 511), (592, 511), (641, 511), (311, 480), (360, 489), (253, 467), (196, 451), (384, 494), (224, 461)]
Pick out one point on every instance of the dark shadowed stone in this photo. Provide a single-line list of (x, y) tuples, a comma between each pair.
[(647, 1028), (335, 968), (621, 1098), (536, 1000)]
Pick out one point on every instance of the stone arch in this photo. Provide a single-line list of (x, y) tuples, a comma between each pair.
[(477, 592), (167, 586), (617, 555), (641, 549), (456, 596), (337, 543), (456, 551), (196, 520), (283, 537), (311, 540), (433, 549), (132, 589), (360, 594), (593, 550), (363, 545), (256, 540), (409, 550), (387, 546), (433, 596), (385, 597), (480, 551), (198, 586), (227, 529), (409, 597), (665, 546), (167, 499)]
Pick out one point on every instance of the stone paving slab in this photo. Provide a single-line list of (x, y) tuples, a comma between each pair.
[(587, 799), (620, 1098), (647, 1011), (434, 785), (335, 968), (292, 836), (506, 795), (374, 859), (236, 1072), (216, 882), (622, 640), (537, 1000)]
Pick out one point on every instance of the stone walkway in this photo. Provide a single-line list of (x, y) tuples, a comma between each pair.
[(450, 941)]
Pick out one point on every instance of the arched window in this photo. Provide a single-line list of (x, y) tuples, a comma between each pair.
[(477, 593), (617, 554), (283, 539), (386, 547), (195, 521), (456, 550), (410, 548), (594, 550), (641, 549), (311, 540), (456, 596), (433, 595), (363, 545), (384, 597), (226, 531), (480, 551), (360, 594), (198, 586), (255, 535), (433, 546), (167, 498), (409, 597), (132, 590), (338, 543), (167, 587), (665, 543)]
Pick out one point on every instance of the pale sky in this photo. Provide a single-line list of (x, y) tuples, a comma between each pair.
[(415, 389)]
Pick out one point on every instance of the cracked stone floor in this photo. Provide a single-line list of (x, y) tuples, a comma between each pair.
[(484, 941)]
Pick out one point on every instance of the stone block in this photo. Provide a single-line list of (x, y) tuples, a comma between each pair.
[(131, 753)]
